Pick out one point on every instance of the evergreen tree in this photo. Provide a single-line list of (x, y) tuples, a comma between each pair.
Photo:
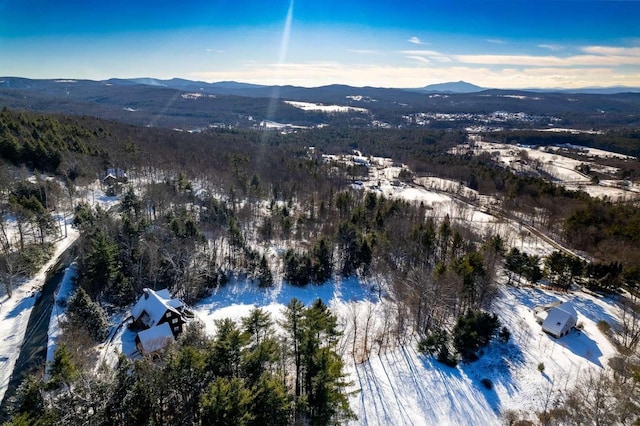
[(322, 261), (187, 378), (62, 369), (265, 277), (227, 402), (294, 328), (323, 379), (84, 313), (271, 403), (297, 268), (472, 331), (100, 264), (28, 403), (225, 359), (262, 349)]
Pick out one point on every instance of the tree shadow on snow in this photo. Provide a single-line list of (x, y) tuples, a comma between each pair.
[(581, 344), (244, 291), (531, 297), (25, 303), (593, 311), (494, 368), (457, 392)]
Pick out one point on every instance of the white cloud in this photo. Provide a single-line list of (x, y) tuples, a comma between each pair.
[(495, 41), (370, 52), (553, 47), (612, 51), (420, 59), (323, 73), (546, 61), (415, 40), (430, 55)]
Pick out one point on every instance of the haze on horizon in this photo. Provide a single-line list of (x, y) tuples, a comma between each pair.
[(494, 43)]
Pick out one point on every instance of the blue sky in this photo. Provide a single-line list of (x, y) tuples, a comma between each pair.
[(492, 43)]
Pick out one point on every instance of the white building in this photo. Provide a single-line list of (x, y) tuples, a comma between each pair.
[(560, 320)]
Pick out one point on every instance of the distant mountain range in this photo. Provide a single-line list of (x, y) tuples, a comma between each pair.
[(234, 87), (186, 104), (257, 90)]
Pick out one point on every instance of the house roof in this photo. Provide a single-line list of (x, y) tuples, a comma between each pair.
[(155, 338), (115, 172), (558, 317), (154, 305)]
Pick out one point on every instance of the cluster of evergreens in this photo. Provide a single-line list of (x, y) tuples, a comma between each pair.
[(609, 231), (41, 142), (246, 374), (472, 331)]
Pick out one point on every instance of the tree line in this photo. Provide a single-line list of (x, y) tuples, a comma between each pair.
[(247, 373)]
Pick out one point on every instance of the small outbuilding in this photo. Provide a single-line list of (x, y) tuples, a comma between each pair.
[(560, 320)]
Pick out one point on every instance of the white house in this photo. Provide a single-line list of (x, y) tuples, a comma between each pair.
[(560, 320)]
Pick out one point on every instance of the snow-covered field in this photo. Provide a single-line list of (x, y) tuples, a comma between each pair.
[(562, 169), (308, 106)]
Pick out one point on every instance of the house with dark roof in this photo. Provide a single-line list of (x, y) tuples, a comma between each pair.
[(158, 318), (113, 180)]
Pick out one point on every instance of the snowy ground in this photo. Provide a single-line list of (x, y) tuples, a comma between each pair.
[(14, 312), (61, 297), (561, 168), (399, 386), (308, 106)]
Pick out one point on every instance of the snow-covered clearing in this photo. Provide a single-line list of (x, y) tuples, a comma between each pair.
[(561, 168), (308, 106)]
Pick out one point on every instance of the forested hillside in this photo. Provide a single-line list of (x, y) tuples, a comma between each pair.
[(199, 209)]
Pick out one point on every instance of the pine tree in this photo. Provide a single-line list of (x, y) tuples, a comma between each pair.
[(262, 350), (265, 277), (322, 261), (323, 379), (28, 401), (271, 402), (227, 402), (62, 369), (187, 377), (293, 326), (225, 358), (83, 313), (100, 264)]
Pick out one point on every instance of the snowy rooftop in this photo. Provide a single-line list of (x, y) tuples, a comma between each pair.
[(155, 338), (155, 305)]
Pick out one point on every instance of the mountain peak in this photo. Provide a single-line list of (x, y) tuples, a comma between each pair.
[(452, 87)]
